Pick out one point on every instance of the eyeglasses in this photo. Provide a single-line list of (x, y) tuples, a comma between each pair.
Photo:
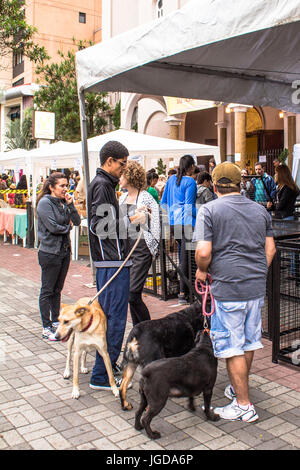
[(122, 163)]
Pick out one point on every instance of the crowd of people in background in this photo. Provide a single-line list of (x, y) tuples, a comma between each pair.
[(277, 193), (180, 193)]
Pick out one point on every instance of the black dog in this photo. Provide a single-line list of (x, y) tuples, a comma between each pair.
[(171, 336), (173, 285), (185, 376)]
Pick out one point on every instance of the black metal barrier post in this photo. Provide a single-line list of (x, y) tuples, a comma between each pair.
[(274, 307), (286, 303), (163, 271), (30, 225)]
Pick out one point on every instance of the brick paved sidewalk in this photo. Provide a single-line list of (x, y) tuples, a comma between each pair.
[(37, 412)]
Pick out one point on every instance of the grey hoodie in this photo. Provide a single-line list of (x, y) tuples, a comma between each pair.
[(54, 223), (204, 195)]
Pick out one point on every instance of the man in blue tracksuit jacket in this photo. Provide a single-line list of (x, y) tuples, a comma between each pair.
[(264, 185), (107, 251)]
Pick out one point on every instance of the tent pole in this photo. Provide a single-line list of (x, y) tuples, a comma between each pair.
[(86, 169)]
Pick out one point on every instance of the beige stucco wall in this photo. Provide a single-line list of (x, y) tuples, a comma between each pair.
[(130, 13), (200, 125), (272, 119), (57, 23), (120, 16)]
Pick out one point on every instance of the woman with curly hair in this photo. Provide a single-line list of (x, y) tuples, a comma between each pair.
[(134, 180)]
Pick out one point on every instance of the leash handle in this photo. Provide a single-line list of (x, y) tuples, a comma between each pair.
[(205, 292), (117, 272)]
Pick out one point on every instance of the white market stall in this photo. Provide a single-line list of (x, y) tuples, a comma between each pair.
[(14, 221), (149, 148), (68, 155), (35, 163)]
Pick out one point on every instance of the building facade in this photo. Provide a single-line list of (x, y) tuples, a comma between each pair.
[(57, 24)]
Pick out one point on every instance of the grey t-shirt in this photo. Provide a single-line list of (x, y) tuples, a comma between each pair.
[(237, 228)]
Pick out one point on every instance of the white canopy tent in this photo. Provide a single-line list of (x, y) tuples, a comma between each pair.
[(35, 162), (66, 154), (233, 51), (16, 160), (148, 147), (296, 164), (243, 52)]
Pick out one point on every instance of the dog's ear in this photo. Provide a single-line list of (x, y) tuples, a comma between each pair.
[(81, 311), (198, 337)]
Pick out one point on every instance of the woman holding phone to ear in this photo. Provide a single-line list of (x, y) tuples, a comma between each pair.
[(55, 212)]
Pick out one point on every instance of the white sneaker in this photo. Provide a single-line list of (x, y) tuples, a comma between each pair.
[(49, 333), (229, 392), (235, 412), (106, 386), (55, 325)]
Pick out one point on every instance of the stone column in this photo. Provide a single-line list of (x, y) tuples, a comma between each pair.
[(222, 132), (291, 119), (240, 132), (174, 124), (222, 140)]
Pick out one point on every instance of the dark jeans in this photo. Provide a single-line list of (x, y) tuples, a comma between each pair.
[(138, 309), (54, 272), (114, 302), (183, 235)]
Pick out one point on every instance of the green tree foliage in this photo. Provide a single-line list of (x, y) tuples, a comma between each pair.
[(161, 168), (20, 135), (283, 155), (16, 35), (59, 95), (116, 119)]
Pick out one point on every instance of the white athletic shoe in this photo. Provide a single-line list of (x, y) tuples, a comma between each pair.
[(229, 392), (49, 333), (235, 412)]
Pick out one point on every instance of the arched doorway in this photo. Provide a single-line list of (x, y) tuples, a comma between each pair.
[(264, 136), (254, 124), (157, 126)]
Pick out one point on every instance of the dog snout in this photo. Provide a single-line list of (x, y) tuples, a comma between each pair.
[(57, 336)]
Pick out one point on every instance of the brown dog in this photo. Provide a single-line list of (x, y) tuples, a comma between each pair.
[(84, 326)]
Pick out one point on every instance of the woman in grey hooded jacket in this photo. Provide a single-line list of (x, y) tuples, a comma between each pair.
[(55, 212)]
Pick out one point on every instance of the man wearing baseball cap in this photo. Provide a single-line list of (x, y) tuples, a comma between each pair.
[(235, 245)]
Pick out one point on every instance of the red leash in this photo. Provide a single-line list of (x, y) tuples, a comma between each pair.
[(205, 292)]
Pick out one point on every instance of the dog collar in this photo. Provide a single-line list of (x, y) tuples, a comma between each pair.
[(89, 324)]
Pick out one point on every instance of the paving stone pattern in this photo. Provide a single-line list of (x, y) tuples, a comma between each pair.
[(37, 412)]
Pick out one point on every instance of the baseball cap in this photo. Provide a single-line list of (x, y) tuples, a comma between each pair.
[(227, 175)]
